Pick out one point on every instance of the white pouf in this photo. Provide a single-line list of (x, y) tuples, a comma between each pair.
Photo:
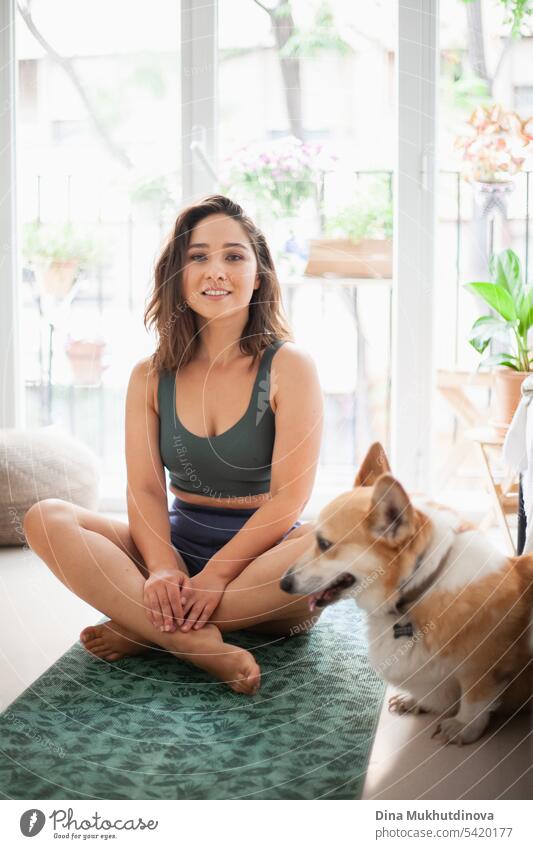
[(39, 463)]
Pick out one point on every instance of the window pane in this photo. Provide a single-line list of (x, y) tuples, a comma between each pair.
[(99, 184), (479, 213), (306, 144)]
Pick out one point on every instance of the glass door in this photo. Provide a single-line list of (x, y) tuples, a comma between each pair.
[(99, 184), (308, 149)]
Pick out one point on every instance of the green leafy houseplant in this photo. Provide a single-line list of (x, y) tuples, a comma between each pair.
[(156, 193), (370, 217), (59, 243), (358, 238), (58, 252), (517, 13), (512, 301)]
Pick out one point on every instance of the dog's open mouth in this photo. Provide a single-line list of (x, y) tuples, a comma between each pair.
[(332, 592)]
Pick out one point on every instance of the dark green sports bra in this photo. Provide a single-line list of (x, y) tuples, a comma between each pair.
[(238, 461)]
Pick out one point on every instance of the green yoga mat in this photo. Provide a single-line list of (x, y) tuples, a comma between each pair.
[(152, 727)]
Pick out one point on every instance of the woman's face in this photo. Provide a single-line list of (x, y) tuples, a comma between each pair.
[(220, 272)]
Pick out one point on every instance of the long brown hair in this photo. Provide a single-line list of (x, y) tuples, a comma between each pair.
[(173, 319)]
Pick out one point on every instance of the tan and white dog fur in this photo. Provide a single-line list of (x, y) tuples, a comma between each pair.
[(466, 607)]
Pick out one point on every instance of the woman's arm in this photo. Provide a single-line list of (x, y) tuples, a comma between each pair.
[(147, 503), (146, 491), (299, 414)]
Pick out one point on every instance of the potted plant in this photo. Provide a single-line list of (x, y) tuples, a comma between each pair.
[(86, 357), (281, 179), (358, 239), (491, 151), (278, 176), (155, 194), (512, 302), (492, 156), (56, 253)]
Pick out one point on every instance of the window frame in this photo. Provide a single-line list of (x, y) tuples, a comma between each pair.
[(415, 223), (12, 412)]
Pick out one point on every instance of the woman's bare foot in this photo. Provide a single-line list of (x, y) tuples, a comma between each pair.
[(237, 668), (112, 641), (203, 648), (206, 649)]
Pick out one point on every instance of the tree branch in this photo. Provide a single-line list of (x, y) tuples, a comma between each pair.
[(283, 29), (508, 43), (66, 64), (476, 41), (264, 8)]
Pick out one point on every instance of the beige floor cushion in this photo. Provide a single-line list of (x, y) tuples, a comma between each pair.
[(42, 463)]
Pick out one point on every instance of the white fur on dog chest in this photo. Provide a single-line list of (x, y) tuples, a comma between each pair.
[(401, 660)]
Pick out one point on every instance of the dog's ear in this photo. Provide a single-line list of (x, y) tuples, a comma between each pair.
[(391, 515), (374, 465)]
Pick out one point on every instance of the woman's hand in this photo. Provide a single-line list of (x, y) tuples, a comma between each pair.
[(200, 598), (163, 599)]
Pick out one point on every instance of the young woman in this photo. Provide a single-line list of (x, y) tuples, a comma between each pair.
[(233, 409)]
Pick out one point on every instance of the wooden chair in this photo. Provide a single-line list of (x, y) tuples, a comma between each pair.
[(502, 485), (453, 386)]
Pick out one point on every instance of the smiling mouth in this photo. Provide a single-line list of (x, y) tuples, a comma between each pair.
[(215, 293), (332, 592)]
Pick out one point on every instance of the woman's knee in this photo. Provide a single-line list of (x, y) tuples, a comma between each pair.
[(295, 626), (303, 624), (42, 515)]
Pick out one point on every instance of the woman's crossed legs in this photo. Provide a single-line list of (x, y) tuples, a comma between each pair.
[(97, 559)]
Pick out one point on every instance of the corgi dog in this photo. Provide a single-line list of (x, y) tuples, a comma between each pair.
[(449, 617)]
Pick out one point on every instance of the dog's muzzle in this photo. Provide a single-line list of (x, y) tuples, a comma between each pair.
[(287, 582)]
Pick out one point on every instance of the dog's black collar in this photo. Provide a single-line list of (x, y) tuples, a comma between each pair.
[(405, 629), (409, 598)]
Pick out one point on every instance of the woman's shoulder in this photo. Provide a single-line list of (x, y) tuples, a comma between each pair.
[(293, 359), (294, 373), (145, 375)]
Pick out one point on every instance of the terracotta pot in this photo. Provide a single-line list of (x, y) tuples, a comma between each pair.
[(86, 360), (343, 258), (506, 397), (57, 277)]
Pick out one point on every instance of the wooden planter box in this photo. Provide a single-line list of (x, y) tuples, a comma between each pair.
[(343, 258)]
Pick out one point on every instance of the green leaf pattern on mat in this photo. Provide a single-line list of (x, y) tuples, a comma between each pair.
[(152, 727)]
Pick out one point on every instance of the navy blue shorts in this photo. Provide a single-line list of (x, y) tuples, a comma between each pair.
[(198, 532)]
